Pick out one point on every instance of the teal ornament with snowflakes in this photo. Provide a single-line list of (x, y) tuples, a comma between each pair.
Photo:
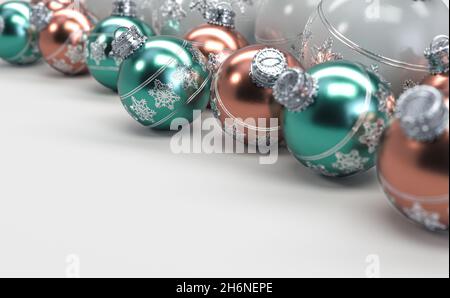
[(104, 66), (161, 78), (334, 116)]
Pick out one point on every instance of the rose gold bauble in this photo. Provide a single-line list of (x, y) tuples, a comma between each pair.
[(57, 5), (236, 97), (415, 174), (62, 42), (439, 82), (216, 40)]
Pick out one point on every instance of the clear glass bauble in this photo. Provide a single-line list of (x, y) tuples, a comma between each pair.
[(279, 23), (390, 35)]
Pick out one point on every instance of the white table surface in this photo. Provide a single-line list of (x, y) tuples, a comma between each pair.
[(87, 191)]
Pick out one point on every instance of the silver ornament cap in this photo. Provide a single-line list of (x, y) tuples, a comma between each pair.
[(128, 42), (267, 66), (422, 113), (295, 89), (437, 55), (124, 8), (220, 14), (40, 16)]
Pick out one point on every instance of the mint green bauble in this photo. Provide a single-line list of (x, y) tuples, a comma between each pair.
[(102, 65), (163, 79), (336, 132), (18, 39)]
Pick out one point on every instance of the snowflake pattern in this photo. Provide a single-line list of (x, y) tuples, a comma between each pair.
[(215, 108), (320, 169), (350, 163), (372, 134), (409, 84), (304, 40), (384, 94), (187, 76), (75, 53), (198, 57), (97, 50), (325, 53), (62, 65), (141, 109), (428, 219), (117, 60), (164, 95)]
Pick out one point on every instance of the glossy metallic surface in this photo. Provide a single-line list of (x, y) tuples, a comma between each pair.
[(102, 65), (62, 43), (56, 5), (216, 40), (165, 79), (415, 176), (236, 96), (18, 40), (439, 82), (338, 134)]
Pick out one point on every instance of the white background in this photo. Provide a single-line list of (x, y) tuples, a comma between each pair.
[(82, 184)]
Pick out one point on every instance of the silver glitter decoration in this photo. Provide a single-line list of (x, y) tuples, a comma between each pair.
[(437, 55), (267, 66), (127, 43), (422, 113), (295, 89), (40, 16)]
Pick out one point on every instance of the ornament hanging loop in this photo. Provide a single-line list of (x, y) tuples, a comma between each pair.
[(267, 66), (422, 113)]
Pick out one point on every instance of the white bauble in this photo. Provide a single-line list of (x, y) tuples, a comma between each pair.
[(279, 23), (389, 34)]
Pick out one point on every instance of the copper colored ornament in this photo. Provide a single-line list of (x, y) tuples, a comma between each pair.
[(218, 36), (237, 98), (216, 40), (415, 174), (62, 42), (56, 5), (439, 82)]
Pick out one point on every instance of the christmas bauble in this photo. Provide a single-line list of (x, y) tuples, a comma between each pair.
[(175, 17), (403, 29), (280, 23), (63, 41), (103, 66), (244, 103), (18, 38), (334, 117), (161, 79), (55, 5), (413, 161), (218, 37)]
